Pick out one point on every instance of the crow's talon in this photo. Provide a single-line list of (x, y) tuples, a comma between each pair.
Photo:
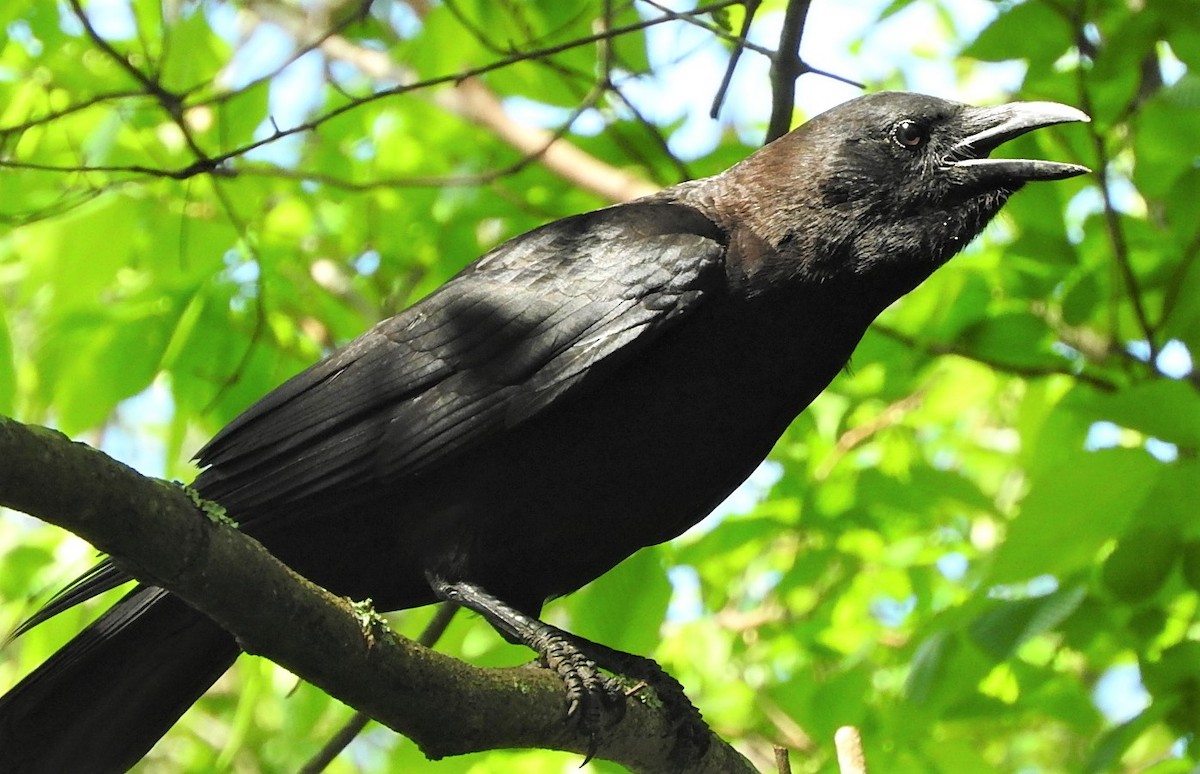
[(591, 697), (594, 700)]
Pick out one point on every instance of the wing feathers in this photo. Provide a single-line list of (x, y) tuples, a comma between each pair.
[(511, 335)]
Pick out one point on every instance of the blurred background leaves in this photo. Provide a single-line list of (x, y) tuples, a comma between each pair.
[(980, 545)]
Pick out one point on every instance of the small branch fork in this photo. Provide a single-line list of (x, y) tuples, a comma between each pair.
[(176, 105), (787, 66)]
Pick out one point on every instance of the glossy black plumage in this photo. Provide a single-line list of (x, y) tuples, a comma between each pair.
[(586, 389)]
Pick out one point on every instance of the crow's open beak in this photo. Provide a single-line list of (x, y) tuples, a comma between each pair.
[(989, 127)]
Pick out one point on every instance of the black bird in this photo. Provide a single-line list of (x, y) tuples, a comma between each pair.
[(596, 385)]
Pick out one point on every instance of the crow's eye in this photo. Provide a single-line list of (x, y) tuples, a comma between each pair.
[(909, 134)]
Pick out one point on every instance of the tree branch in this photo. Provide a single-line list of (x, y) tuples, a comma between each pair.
[(472, 100), (1112, 218), (1017, 369), (787, 65), (153, 530), (786, 68), (169, 101), (216, 164)]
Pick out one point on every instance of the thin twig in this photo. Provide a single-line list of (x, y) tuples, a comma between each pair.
[(55, 115), (740, 45), (891, 416), (941, 348), (314, 42), (338, 742), (1176, 283), (1116, 237), (783, 763), (660, 141), (148, 84), (215, 164), (739, 40), (170, 102), (1112, 219), (259, 301), (786, 68)]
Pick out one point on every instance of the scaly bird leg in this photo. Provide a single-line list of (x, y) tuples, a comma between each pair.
[(589, 692), (577, 660)]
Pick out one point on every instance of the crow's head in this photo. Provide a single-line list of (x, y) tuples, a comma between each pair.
[(891, 184), (900, 153)]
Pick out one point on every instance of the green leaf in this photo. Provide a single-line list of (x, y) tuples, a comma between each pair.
[(1014, 338), (193, 51), (74, 256), (1139, 565), (1025, 30), (1173, 679), (1161, 138), (242, 113), (1112, 746), (1005, 627), (1081, 300), (946, 669), (95, 360), (1071, 511), (624, 606), (1166, 409)]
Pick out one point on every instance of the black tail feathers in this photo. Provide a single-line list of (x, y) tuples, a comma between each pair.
[(103, 700)]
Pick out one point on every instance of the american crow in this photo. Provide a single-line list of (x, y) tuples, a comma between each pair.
[(596, 385)]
